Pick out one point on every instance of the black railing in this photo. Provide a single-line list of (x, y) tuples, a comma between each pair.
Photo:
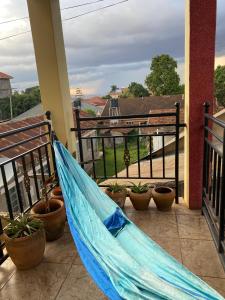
[(213, 196), (99, 134), (26, 162)]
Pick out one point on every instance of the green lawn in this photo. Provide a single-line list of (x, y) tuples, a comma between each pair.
[(109, 157)]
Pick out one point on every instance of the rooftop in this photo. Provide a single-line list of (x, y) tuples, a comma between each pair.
[(5, 76)]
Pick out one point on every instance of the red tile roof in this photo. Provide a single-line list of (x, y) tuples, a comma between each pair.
[(96, 101), (5, 76), (17, 150), (15, 138)]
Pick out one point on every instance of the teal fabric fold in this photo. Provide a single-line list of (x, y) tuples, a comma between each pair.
[(135, 265)]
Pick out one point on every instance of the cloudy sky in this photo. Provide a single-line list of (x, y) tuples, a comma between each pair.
[(112, 46)]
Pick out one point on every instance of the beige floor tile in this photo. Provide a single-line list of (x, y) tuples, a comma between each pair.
[(40, 283), (182, 209), (79, 286), (62, 250), (7, 269), (217, 283), (193, 227), (156, 225), (172, 246), (201, 258)]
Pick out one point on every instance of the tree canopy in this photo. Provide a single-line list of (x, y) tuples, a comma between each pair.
[(163, 78), (114, 88), (21, 102), (137, 90), (219, 84)]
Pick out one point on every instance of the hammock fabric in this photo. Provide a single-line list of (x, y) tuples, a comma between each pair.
[(123, 261)]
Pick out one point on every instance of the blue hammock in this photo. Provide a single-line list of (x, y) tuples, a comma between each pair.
[(123, 261)]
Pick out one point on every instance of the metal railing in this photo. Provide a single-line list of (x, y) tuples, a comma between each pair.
[(26, 162), (213, 194), (109, 123)]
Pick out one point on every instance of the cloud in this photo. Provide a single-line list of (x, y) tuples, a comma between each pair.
[(114, 45)]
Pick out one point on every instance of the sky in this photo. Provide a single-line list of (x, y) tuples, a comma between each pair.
[(111, 46)]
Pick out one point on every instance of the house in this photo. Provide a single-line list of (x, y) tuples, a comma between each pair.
[(5, 85), (139, 106)]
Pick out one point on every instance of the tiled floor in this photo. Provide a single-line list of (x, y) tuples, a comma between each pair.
[(183, 233)]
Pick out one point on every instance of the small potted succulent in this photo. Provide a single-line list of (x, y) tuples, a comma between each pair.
[(117, 193), (163, 197), (25, 241), (51, 211), (140, 195), (56, 189)]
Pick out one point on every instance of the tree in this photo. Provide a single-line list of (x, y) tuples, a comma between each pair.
[(114, 88), (163, 79), (21, 102), (90, 112), (137, 90), (219, 85)]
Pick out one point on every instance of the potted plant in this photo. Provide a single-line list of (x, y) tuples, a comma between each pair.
[(52, 212), (117, 193), (25, 241), (140, 196), (163, 197)]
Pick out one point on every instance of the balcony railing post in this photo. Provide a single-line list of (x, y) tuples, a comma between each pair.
[(80, 145), (222, 200), (52, 137), (177, 104)]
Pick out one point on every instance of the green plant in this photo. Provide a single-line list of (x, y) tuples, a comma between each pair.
[(48, 186), (23, 226), (116, 188), (139, 188)]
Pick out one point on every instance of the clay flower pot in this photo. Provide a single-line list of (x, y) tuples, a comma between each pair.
[(163, 197), (57, 193), (118, 197), (26, 252), (140, 201), (54, 221)]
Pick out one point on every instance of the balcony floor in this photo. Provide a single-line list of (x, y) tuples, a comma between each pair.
[(181, 232)]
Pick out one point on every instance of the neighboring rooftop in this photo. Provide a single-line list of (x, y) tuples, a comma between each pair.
[(96, 101), (5, 76), (129, 106)]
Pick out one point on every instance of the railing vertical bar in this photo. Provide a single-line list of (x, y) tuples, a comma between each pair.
[(7, 196), (17, 186), (163, 154), (47, 160), (214, 178), (126, 149), (27, 184), (41, 165), (1, 244), (138, 156), (150, 156), (115, 161), (205, 154), (79, 136), (218, 186), (35, 175), (210, 173), (103, 152), (177, 151), (222, 200), (93, 158)]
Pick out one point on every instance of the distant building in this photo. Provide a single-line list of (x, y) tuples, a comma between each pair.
[(5, 85)]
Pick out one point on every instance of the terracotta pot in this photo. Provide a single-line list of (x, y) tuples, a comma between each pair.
[(54, 221), (26, 252), (57, 193), (140, 201), (163, 197), (119, 197)]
